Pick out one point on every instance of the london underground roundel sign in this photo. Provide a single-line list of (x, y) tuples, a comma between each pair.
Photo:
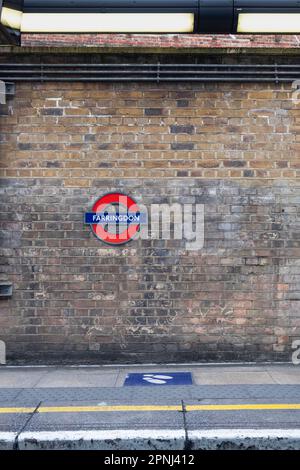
[(115, 218)]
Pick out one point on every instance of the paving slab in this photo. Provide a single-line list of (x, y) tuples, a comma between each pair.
[(84, 378), (228, 376), (27, 377), (282, 375)]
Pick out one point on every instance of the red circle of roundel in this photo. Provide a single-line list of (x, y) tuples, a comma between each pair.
[(127, 234)]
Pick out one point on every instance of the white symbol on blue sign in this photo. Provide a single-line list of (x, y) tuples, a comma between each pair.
[(157, 379)]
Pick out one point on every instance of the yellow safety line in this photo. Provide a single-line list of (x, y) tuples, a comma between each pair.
[(126, 408), (16, 410)]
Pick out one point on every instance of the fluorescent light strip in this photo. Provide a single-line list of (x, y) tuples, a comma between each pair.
[(107, 23), (269, 23), (11, 18)]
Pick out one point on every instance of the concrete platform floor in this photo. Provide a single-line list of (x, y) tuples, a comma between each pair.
[(227, 406), (114, 376)]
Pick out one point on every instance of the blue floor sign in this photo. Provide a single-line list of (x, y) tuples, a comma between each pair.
[(159, 378)]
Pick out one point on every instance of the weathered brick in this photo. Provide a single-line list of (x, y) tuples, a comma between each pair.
[(235, 163), (182, 146), (232, 147), (185, 129), (154, 112), (51, 112)]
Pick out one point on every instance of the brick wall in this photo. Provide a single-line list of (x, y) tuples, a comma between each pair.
[(232, 147), (172, 41), (79, 131)]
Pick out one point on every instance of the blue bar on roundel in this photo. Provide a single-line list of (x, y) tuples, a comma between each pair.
[(114, 218)]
